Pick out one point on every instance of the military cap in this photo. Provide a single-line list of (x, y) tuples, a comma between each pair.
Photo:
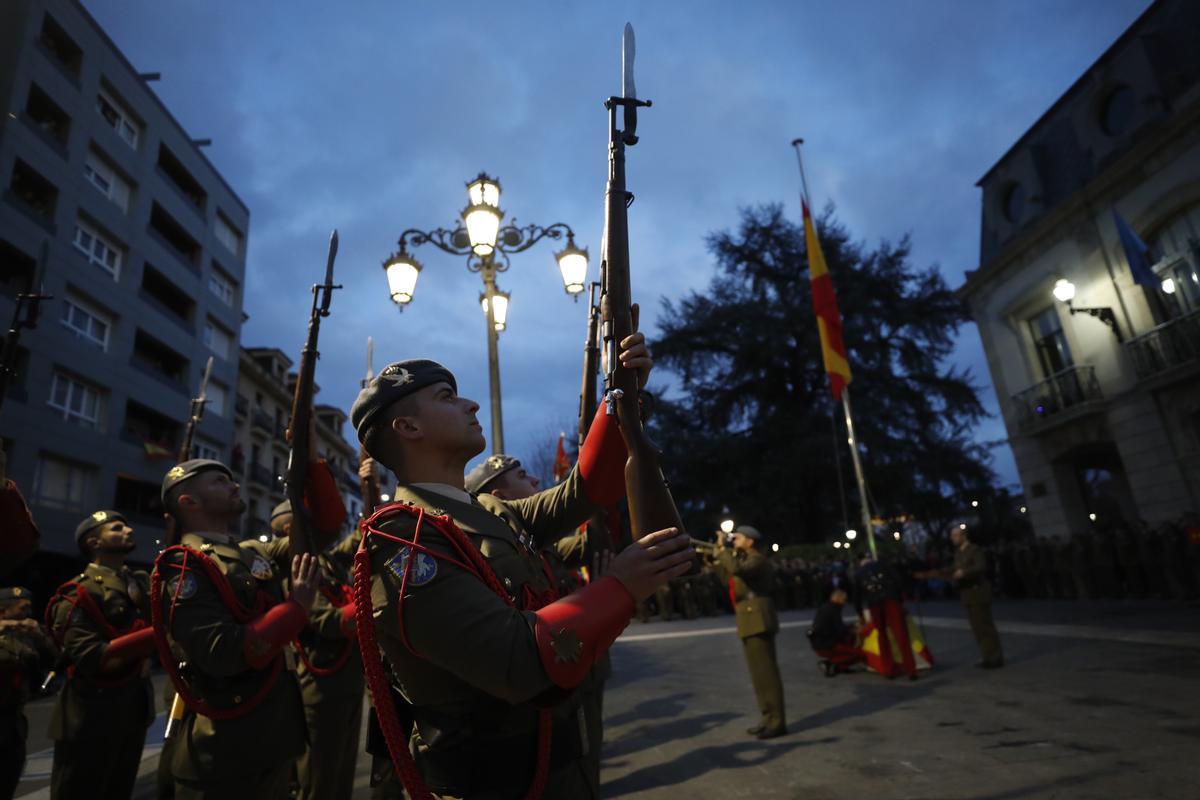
[(492, 467), (394, 383), (283, 508), (190, 469), (749, 531), (15, 593), (95, 521)]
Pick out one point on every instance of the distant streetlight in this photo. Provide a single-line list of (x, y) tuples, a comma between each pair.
[(1092, 517), (1168, 285), (836, 545), (851, 534), (896, 535), (974, 504), (962, 526), (727, 526), (775, 547), (1023, 509), (385, 497)]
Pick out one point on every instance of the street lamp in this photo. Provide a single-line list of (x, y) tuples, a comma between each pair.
[(896, 535), (727, 526), (487, 247), (1064, 292), (837, 545), (851, 534)]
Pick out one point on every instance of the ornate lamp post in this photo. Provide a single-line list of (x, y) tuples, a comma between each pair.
[(487, 246)]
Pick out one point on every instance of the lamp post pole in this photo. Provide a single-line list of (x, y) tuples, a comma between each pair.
[(493, 348)]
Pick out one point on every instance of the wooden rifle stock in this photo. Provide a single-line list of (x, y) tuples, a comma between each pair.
[(591, 369), (369, 486)]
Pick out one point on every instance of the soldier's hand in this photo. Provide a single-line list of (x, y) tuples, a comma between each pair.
[(635, 355), (305, 579), (366, 468), (651, 561), (601, 563)]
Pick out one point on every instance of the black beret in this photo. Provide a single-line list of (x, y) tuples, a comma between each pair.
[(190, 469), (95, 521), (15, 593), (492, 467), (394, 383), (749, 531), (283, 508)]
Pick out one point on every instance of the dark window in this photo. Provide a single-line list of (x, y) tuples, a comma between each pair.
[(32, 192), (1054, 355), (180, 178), (1117, 110), (175, 235), (154, 357), (16, 270), (46, 116), (61, 47), (146, 427), (1014, 202), (139, 500), (165, 295)]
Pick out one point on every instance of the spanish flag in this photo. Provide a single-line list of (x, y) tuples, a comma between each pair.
[(561, 465), (829, 319)]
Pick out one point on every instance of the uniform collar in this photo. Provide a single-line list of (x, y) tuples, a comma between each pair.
[(445, 490), (216, 538)]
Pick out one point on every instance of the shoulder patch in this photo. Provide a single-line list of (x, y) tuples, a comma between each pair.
[(261, 568), (185, 590), (424, 567)]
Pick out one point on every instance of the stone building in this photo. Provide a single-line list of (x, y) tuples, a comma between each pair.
[(1098, 372), (146, 264)]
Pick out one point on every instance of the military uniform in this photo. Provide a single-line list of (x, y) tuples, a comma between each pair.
[(976, 594), (20, 538), (25, 652), (101, 716), (750, 574)]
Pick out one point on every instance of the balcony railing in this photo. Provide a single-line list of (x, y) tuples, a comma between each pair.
[(1069, 388), (1166, 347)]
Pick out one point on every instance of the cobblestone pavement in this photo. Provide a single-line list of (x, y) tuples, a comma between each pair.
[(1098, 700)]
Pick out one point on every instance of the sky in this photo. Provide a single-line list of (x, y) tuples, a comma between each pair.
[(370, 116)]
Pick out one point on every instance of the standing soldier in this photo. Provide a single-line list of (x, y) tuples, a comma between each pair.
[(970, 576), (750, 576), (466, 617), (101, 621), (25, 651), (224, 628), (330, 673)]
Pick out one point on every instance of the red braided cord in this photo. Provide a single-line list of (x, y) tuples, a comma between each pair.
[(393, 735), (240, 615), (82, 598), (337, 600)]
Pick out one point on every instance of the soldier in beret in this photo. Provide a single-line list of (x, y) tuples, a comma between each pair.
[(329, 671), (101, 620), (467, 620), (750, 575), (228, 625), (25, 652)]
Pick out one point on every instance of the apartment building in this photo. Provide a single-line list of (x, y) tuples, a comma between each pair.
[(146, 263), (1093, 343)]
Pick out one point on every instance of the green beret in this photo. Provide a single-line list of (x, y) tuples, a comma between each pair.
[(492, 467), (749, 531), (283, 508), (15, 593), (188, 470), (394, 383), (95, 521)]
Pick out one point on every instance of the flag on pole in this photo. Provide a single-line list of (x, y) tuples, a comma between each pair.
[(561, 465), (1135, 253), (829, 319)]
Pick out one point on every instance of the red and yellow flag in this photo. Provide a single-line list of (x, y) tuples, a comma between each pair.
[(829, 319), (561, 465)]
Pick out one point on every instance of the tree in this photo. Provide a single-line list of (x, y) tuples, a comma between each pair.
[(751, 424)]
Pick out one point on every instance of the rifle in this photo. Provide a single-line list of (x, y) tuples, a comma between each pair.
[(651, 506), (185, 447), (369, 486), (25, 316), (302, 540), (591, 365)]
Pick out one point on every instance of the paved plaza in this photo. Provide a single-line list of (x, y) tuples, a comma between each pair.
[(1098, 700)]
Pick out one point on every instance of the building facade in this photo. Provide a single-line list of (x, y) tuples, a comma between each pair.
[(259, 455), (146, 264), (1098, 373)]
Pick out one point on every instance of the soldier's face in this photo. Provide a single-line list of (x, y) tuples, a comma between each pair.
[(116, 537), (216, 494), (517, 484), (445, 421)]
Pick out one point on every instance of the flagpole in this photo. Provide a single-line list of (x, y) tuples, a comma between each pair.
[(852, 439)]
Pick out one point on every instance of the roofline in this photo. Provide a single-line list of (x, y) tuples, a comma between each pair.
[(162, 106), (1120, 40)]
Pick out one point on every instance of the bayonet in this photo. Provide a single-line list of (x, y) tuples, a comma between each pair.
[(628, 51), (203, 396), (370, 371)]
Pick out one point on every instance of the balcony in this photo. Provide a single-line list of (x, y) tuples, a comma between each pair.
[(1166, 348), (263, 421), (262, 476), (1065, 395)]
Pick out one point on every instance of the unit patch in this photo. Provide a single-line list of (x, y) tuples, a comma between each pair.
[(184, 590), (261, 568), (424, 568)]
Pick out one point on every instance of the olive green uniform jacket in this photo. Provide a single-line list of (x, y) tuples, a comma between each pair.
[(753, 578), (474, 670), (974, 586)]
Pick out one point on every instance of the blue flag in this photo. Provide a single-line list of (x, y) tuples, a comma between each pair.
[(1135, 253)]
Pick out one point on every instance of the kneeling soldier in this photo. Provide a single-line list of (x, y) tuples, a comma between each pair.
[(101, 621)]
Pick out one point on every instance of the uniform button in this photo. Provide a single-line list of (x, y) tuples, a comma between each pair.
[(508, 582), (237, 698)]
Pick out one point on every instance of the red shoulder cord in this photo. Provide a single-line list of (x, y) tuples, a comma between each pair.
[(240, 613), (338, 599), (78, 596), (473, 562)]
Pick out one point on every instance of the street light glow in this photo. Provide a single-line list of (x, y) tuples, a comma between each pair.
[(1092, 517), (896, 535), (836, 545), (264, 538), (573, 264), (1022, 509), (402, 271), (1168, 285), (385, 497), (499, 308), (974, 504), (775, 547), (484, 191), (727, 526), (1064, 290), (483, 225), (962, 526), (851, 534)]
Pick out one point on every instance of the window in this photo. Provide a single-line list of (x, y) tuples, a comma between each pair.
[(216, 399), (217, 339), (1054, 355), (1175, 250), (118, 118), (221, 286), (37, 194), (63, 484), (1117, 110), (175, 172), (46, 116), (228, 235), (205, 450), (159, 360), (104, 177), (162, 293), (1014, 202), (99, 250), (175, 236), (77, 401), (60, 47), (86, 321)]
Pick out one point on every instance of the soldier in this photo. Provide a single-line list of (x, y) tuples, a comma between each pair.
[(970, 575), (466, 617), (101, 619), (749, 573), (330, 672), (228, 626), (877, 590), (25, 651)]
